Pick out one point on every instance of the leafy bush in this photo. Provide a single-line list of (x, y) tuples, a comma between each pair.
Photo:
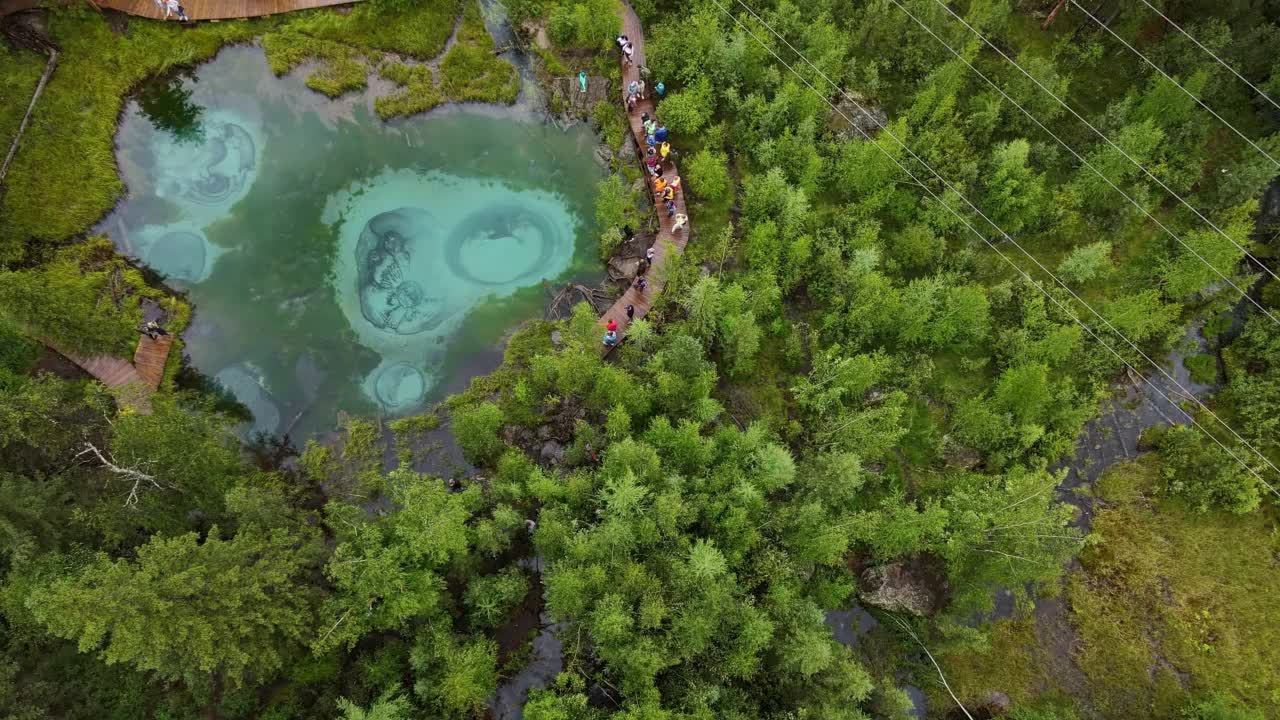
[(476, 428), (689, 110), (1202, 474), (708, 175), (490, 598), (1087, 262), (590, 24)]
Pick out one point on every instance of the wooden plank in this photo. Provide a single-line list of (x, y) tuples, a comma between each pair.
[(220, 9), (666, 243)]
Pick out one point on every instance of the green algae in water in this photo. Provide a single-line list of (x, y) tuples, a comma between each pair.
[(339, 263)]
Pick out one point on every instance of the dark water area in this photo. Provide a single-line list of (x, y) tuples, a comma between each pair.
[(1113, 435), (338, 263)]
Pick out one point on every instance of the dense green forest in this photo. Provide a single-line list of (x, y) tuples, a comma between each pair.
[(938, 248)]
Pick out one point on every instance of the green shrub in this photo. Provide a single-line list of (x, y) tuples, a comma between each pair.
[(490, 599), (709, 179), (1202, 474), (476, 429), (589, 24), (689, 110), (1203, 368)]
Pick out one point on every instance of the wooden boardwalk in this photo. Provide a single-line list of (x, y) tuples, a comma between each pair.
[(666, 243), (218, 9), (133, 381)]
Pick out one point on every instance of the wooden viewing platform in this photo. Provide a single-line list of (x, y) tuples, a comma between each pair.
[(665, 243), (133, 381), (218, 9)]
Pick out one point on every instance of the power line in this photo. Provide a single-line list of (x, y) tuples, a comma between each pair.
[(1077, 155), (1175, 82), (1211, 54), (993, 247), (1119, 149)]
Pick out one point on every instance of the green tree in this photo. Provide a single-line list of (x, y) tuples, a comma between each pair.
[(476, 428), (708, 176), (1015, 196), (1201, 473), (185, 609)]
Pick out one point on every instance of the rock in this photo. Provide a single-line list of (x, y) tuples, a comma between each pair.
[(959, 456), (997, 704), (916, 585), (623, 268), (603, 157), (627, 153), (544, 432), (557, 339), (640, 185), (552, 452), (851, 121)]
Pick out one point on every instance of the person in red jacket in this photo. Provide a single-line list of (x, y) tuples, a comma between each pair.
[(612, 326)]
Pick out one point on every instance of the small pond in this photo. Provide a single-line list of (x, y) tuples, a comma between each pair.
[(337, 262)]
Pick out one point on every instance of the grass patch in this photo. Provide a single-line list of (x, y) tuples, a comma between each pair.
[(1012, 663), (20, 71), (1170, 605), (419, 91), (64, 176), (1203, 368), (1172, 597), (341, 70), (419, 30), (471, 72)]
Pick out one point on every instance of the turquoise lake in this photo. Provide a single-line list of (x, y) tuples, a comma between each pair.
[(338, 263)]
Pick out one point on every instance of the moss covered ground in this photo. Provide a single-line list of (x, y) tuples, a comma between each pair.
[(1170, 605), (19, 73)]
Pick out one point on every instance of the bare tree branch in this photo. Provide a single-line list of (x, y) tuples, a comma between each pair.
[(139, 478)]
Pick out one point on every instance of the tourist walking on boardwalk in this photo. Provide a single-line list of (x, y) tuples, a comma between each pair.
[(631, 104), (611, 338), (652, 162), (680, 222), (172, 6), (633, 88), (622, 41), (664, 150), (627, 51), (631, 313), (660, 134), (641, 93), (660, 89), (612, 326), (648, 255), (650, 125), (641, 284), (153, 330)]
